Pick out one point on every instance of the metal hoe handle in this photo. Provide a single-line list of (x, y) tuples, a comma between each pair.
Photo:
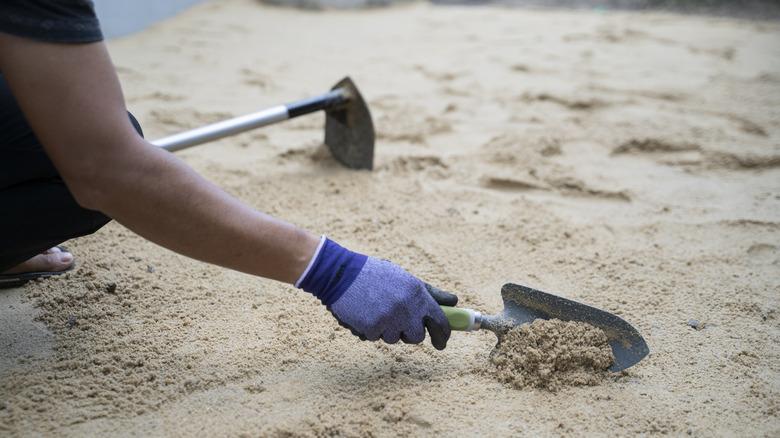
[(237, 125)]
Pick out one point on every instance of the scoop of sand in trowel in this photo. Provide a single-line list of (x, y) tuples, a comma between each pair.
[(523, 305)]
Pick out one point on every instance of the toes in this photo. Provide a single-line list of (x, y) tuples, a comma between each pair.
[(52, 250), (56, 261), (45, 262)]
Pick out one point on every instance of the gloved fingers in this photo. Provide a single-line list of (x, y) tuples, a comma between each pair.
[(349, 327), (439, 331), (391, 337), (442, 297), (414, 335), (372, 336), (357, 333)]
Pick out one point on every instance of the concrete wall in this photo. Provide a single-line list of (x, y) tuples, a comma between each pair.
[(763, 9), (123, 17), (119, 17)]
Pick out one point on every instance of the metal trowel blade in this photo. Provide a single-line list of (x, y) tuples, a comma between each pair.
[(523, 304)]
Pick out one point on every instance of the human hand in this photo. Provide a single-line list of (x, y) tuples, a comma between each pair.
[(376, 299)]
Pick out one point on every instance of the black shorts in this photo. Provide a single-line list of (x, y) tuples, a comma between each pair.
[(37, 211)]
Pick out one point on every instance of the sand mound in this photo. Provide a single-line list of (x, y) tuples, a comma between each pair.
[(552, 354)]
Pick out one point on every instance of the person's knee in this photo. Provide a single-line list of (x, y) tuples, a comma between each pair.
[(81, 221), (135, 123)]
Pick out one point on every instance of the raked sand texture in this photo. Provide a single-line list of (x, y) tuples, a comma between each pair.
[(628, 161)]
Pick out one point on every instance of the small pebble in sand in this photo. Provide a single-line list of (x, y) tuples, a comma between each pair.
[(696, 324), (552, 354)]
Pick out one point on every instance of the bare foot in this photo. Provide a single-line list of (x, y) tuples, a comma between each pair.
[(51, 260)]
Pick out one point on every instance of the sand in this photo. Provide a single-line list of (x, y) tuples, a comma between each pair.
[(627, 161), (552, 354)]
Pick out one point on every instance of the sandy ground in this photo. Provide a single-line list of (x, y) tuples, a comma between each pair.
[(628, 161)]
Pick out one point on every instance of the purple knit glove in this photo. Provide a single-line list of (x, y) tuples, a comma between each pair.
[(375, 298)]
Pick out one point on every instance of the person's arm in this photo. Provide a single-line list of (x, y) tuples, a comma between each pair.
[(71, 97)]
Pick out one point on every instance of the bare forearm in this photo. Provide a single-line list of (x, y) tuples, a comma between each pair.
[(159, 197)]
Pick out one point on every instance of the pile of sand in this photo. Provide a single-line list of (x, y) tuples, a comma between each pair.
[(551, 354)]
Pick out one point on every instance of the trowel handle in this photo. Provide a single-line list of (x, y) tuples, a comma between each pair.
[(465, 320)]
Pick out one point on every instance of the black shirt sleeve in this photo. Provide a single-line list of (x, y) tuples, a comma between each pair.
[(59, 21)]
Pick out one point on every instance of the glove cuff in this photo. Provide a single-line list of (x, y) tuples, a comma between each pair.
[(311, 262), (331, 271)]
